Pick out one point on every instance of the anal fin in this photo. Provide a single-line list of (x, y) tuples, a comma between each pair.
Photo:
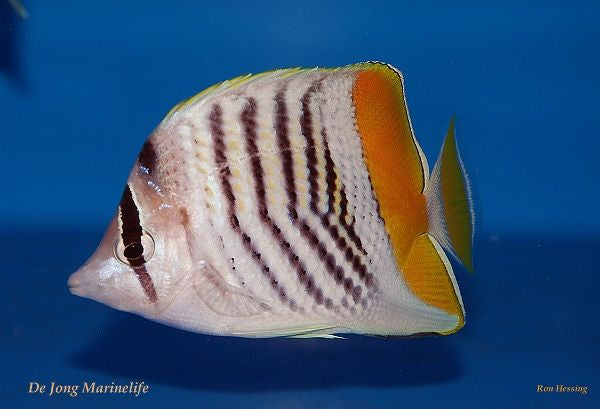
[(317, 334), (307, 331), (429, 275)]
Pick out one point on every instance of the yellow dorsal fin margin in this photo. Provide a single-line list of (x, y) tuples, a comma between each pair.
[(428, 274), (228, 85)]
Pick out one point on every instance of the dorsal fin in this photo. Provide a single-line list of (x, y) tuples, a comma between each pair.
[(230, 84), (396, 164), (384, 125)]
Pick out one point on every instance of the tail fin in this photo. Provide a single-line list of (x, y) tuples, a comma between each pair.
[(449, 203)]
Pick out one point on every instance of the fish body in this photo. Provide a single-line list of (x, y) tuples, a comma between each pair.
[(295, 202)]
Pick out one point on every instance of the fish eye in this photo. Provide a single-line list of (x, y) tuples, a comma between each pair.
[(135, 253)]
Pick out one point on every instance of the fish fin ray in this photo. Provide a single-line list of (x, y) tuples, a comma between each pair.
[(397, 167), (386, 131), (224, 298), (317, 335), (429, 275), (308, 331), (230, 84), (450, 204)]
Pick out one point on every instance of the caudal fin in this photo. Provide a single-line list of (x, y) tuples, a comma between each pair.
[(449, 203)]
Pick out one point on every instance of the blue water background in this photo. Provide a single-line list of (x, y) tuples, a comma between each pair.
[(82, 83)]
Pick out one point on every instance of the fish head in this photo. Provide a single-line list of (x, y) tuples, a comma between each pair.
[(144, 257)]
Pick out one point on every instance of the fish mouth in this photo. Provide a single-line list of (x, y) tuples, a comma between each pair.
[(75, 285)]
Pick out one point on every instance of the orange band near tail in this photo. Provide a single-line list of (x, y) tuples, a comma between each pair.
[(391, 154)]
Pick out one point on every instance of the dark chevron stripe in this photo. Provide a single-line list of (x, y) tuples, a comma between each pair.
[(334, 270), (343, 205), (283, 143), (330, 179), (131, 234), (248, 119), (357, 265), (329, 173), (216, 127), (281, 131), (313, 174), (306, 128)]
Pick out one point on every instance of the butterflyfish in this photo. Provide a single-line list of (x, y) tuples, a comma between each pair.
[(295, 202)]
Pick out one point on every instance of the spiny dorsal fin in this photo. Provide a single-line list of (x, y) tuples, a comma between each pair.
[(396, 164), (230, 84)]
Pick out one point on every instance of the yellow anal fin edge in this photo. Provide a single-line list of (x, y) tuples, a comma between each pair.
[(429, 276), (449, 203)]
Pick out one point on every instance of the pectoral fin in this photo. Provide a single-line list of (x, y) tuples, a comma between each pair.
[(225, 298)]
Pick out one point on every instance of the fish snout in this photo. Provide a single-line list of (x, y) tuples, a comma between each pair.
[(75, 283), (82, 281)]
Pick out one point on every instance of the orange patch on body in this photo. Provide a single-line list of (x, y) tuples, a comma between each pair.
[(391, 155)]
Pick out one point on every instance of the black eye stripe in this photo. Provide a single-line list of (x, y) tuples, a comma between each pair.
[(147, 157), (131, 229), (131, 234)]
